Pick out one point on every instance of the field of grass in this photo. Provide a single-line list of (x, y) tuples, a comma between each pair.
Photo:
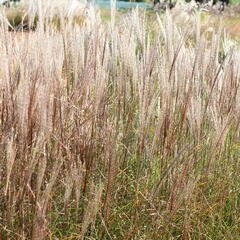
[(122, 129)]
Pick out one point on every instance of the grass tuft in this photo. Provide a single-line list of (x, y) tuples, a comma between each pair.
[(120, 129)]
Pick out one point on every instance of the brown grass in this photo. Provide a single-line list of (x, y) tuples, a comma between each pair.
[(111, 131)]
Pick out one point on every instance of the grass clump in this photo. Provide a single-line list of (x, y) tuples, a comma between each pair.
[(108, 131)]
